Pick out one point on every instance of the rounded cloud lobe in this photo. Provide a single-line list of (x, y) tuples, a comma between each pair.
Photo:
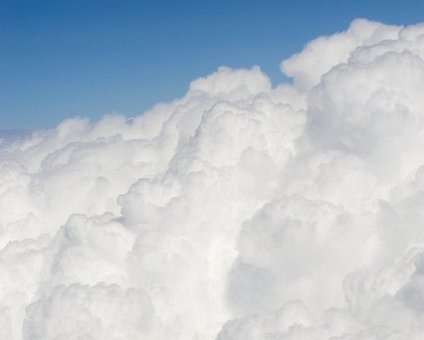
[(239, 211)]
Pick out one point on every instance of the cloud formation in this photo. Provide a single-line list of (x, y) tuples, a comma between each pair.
[(239, 211)]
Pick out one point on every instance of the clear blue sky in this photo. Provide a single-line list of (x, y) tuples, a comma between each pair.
[(62, 58)]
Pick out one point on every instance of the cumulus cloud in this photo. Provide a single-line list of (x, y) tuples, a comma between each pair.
[(239, 211)]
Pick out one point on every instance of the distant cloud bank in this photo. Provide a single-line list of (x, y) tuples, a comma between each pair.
[(239, 211)]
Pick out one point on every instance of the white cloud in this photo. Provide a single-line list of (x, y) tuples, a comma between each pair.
[(239, 211)]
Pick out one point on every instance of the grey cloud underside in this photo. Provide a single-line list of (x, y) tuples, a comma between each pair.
[(240, 211)]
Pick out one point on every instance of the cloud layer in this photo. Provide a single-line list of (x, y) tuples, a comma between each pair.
[(240, 211)]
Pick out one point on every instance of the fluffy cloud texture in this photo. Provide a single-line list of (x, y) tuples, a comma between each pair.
[(240, 211)]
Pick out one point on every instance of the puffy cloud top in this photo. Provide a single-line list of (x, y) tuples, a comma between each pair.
[(239, 211), (232, 84)]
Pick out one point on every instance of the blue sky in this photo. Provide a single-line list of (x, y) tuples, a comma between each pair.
[(60, 59)]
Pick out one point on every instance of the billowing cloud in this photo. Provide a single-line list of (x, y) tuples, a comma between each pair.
[(239, 211)]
